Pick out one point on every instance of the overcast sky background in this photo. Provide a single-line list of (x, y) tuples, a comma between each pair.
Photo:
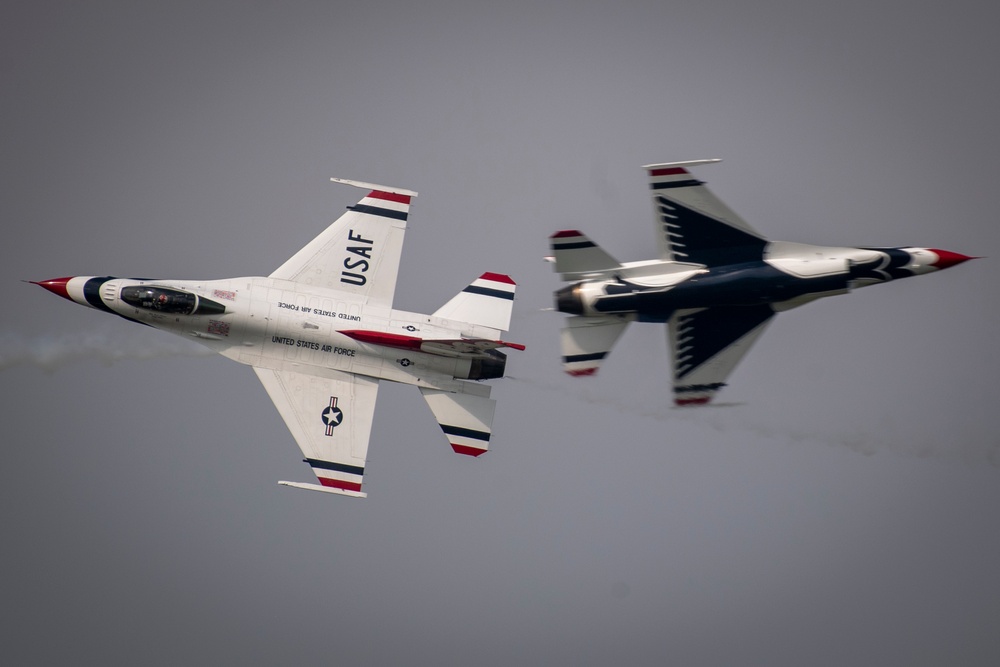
[(840, 507)]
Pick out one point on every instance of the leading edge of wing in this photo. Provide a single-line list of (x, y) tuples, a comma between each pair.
[(359, 252), (375, 187)]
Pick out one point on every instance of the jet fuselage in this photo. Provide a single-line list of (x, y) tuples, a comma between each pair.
[(279, 324), (320, 332), (792, 274), (716, 283)]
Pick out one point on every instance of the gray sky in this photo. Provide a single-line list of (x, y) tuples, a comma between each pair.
[(840, 508)]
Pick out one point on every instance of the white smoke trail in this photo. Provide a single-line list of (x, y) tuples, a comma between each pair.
[(717, 417), (51, 352)]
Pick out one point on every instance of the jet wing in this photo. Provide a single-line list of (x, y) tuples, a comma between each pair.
[(331, 420), (706, 345), (693, 225), (359, 253)]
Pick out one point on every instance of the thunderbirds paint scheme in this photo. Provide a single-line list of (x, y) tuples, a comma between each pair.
[(717, 283), (320, 332)]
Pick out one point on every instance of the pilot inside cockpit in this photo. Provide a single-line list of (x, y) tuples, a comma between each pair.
[(159, 299)]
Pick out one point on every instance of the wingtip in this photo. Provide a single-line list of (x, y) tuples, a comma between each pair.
[(687, 163), (374, 186)]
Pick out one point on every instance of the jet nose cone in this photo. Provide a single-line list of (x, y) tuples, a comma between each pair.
[(56, 286), (946, 258)]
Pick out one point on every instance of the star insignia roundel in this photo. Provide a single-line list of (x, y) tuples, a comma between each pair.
[(332, 416)]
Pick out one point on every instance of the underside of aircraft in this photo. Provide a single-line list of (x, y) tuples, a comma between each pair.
[(716, 284), (320, 333)]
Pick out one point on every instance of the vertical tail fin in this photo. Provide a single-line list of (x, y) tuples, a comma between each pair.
[(575, 255), (487, 301)]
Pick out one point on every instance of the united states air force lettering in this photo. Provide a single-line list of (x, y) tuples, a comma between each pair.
[(310, 345), (358, 261), (317, 311)]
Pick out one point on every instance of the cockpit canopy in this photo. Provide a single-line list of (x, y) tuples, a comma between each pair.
[(167, 300)]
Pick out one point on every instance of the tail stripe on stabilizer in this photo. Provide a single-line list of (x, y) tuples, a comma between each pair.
[(587, 341), (466, 432), (465, 419), (584, 357)]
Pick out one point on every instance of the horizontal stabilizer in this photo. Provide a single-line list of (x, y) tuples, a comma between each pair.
[(324, 489), (576, 255), (466, 419), (487, 301), (586, 342)]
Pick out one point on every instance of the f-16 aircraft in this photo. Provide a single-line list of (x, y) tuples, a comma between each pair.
[(320, 332), (717, 283)]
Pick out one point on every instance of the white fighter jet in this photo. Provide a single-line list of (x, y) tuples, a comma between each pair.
[(716, 284), (320, 332)]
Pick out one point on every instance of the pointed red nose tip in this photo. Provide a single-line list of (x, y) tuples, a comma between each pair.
[(946, 258), (56, 286)]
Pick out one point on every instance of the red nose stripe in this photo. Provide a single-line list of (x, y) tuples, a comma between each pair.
[(56, 286), (946, 258)]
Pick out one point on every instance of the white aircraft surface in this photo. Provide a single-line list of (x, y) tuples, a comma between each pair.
[(320, 332), (717, 283)]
